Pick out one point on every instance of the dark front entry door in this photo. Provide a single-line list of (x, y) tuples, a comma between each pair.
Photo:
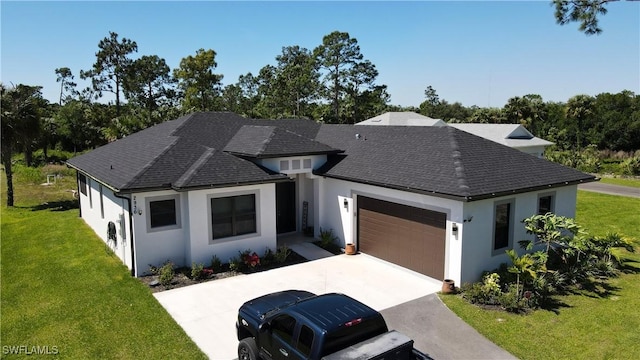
[(285, 207)]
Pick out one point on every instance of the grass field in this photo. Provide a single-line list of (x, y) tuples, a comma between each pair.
[(64, 290), (585, 325), (622, 181)]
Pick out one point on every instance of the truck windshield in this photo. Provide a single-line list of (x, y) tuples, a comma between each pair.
[(346, 336)]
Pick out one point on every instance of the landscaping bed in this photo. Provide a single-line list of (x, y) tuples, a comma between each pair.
[(185, 276)]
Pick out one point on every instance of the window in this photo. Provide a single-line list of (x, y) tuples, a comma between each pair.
[(295, 164), (233, 216), (545, 204), (503, 226), (83, 184), (163, 213), (283, 327), (101, 203), (90, 196), (306, 163), (305, 340), (284, 165)]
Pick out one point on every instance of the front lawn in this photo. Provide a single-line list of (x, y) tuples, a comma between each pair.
[(65, 292), (598, 325)]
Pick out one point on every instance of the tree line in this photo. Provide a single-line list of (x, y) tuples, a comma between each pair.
[(333, 83)]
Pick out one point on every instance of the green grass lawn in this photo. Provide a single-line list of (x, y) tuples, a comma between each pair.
[(62, 288), (622, 181), (583, 326)]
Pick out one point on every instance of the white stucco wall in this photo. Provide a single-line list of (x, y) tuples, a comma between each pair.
[(333, 215), (158, 246), (477, 252), (200, 249), (116, 210)]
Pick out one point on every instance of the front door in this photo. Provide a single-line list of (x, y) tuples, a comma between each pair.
[(285, 207)]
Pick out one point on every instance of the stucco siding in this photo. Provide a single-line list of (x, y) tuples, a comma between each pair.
[(343, 220), (477, 234), (114, 210), (154, 248), (201, 248)]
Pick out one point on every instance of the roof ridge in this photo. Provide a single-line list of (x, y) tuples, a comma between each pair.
[(457, 160), (153, 161), (184, 122), (193, 169)]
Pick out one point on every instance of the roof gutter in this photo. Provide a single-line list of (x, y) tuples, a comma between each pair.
[(467, 198)]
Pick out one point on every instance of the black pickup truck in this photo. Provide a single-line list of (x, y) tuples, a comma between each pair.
[(296, 324)]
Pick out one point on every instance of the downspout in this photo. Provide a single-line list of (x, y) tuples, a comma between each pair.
[(79, 193), (133, 257)]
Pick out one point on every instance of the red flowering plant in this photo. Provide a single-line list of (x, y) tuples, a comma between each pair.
[(250, 259)]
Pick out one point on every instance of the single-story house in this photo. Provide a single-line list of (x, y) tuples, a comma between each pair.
[(436, 200), (512, 135)]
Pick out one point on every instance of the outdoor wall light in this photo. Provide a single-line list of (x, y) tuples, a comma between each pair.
[(454, 229), (346, 204)]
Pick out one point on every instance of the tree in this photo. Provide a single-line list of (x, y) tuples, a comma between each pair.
[(111, 66), (487, 116), (65, 78), (337, 55), (528, 111), (148, 81), (200, 87), (20, 121), (579, 109), (585, 12), (296, 81)]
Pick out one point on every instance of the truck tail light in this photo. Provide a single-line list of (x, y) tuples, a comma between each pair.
[(353, 322)]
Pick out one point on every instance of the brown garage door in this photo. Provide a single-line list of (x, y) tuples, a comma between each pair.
[(405, 235)]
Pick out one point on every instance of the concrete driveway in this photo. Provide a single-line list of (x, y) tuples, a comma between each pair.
[(207, 312)]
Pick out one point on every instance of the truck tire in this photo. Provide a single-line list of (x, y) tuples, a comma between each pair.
[(247, 349)]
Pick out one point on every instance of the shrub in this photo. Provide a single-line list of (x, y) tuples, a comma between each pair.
[(485, 292), (282, 254), (327, 238), (268, 257), (235, 264), (197, 271), (251, 260), (216, 264), (631, 166), (166, 273), (511, 301)]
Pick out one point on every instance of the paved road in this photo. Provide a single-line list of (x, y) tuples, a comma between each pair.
[(611, 189)]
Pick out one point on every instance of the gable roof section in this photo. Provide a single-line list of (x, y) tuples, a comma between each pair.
[(438, 161), (271, 141), (513, 135), (403, 118)]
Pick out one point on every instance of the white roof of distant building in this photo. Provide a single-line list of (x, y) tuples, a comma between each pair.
[(403, 118), (513, 135)]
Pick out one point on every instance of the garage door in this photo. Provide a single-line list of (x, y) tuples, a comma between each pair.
[(405, 235)]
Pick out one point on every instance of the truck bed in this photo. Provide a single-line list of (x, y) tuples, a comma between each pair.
[(391, 345)]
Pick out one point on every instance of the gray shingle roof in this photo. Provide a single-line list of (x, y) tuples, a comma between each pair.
[(442, 161), (271, 141), (199, 150)]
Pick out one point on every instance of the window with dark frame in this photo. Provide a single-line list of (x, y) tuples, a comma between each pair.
[(502, 229), (545, 204), (83, 184), (233, 216), (162, 213)]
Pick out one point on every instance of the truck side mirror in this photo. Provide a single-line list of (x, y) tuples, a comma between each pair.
[(264, 327)]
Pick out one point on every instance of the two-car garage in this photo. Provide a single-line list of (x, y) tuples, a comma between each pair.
[(405, 235)]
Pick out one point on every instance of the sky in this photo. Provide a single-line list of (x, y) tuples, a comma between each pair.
[(476, 52)]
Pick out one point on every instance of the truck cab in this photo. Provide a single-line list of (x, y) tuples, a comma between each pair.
[(297, 324)]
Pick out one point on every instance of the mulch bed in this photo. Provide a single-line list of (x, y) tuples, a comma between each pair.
[(183, 275)]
